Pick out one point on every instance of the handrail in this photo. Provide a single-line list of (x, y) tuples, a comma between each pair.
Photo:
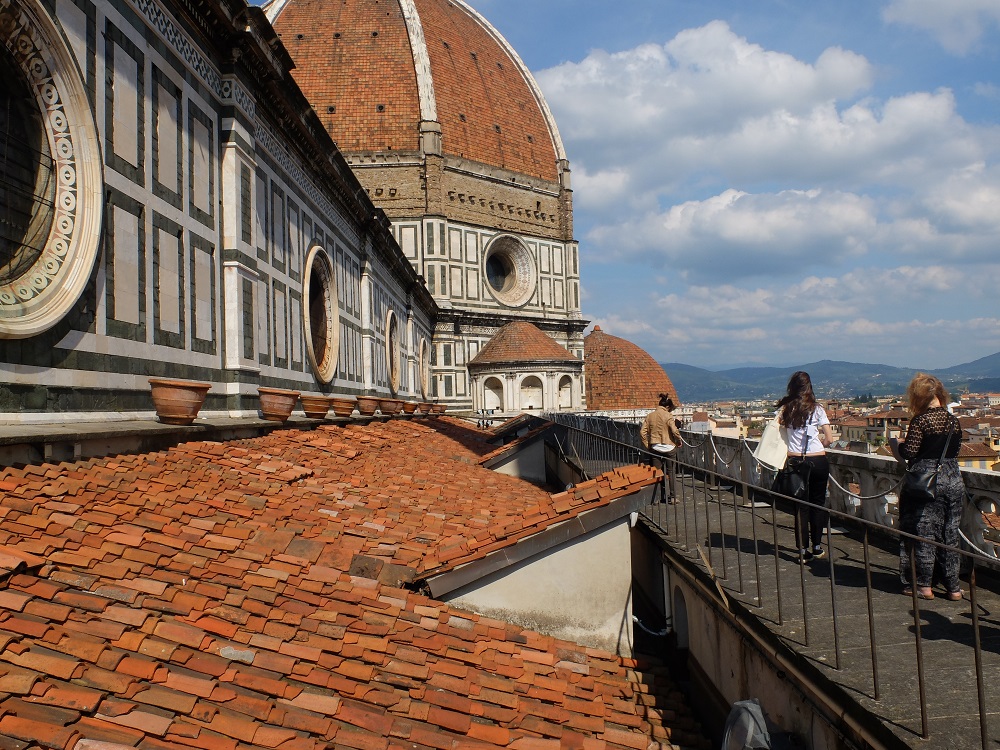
[(719, 507)]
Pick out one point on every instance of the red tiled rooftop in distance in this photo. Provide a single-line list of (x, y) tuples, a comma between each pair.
[(521, 341), (486, 108), (201, 596), (620, 375)]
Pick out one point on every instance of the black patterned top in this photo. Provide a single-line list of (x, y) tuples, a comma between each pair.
[(928, 433)]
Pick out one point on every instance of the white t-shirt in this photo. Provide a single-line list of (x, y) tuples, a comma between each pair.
[(809, 433)]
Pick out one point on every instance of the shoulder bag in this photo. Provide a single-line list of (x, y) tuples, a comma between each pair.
[(920, 482), (772, 449), (792, 479)]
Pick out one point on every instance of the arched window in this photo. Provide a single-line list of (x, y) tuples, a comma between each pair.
[(566, 392), (493, 394), (532, 393)]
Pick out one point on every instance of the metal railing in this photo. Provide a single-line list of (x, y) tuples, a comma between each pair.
[(743, 536)]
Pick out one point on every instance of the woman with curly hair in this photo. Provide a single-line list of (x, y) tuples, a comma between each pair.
[(933, 432), (808, 433)]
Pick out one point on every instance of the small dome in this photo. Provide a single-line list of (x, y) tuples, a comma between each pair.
[(620, 375), (521, 342)]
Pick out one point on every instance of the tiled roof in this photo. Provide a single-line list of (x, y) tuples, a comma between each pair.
[(521, 341), (620, 375), (351, 59), (355, 56), (976, 450), (246, 595)]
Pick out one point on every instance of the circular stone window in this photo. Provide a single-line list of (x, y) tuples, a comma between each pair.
[(509, 271), (50, 174), (392, 350), (26, 179), (424, 366), (321, 315)]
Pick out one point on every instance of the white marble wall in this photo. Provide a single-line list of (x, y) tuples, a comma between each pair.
[(210, 214)]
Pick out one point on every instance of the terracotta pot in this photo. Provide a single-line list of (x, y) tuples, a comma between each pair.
[(390, 406), (342, 407), (177, 401), (425, 407), (276, 404), (409, 406), (315, 407), (440, 408), (367, 406)]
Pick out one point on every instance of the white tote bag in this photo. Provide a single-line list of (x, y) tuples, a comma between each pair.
[(773, 446)]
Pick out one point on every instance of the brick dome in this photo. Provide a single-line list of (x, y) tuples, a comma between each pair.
[(376, 72), (620, 375)]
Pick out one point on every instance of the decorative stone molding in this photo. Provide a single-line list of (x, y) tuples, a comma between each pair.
[(321, 314), (510, 271), (424, 367), (36, 298), (392, 356)]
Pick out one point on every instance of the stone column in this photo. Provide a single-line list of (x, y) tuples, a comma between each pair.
[(367, 324), (238, 225)]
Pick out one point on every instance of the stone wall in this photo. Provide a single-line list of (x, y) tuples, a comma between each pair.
[(218, 190)]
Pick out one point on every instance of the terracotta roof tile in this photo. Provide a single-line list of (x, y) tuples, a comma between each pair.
[(272, 640), (620, 375), (521, 341), (354, 62)]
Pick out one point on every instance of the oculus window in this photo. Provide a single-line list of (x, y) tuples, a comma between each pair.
[(51, 174), (509, 271), (322, 315), (392, 350)]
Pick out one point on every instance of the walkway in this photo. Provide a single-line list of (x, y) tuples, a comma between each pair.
[(825, 608)]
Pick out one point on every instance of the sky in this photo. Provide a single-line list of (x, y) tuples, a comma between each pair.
[(779, 182)]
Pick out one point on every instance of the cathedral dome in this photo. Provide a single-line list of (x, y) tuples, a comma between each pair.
[(520, 341), (620, 375), (377, 73)]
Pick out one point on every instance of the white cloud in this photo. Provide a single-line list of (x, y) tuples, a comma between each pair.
[(713, 155), (736, 234), (697, 83), (904, 315), (986, 90), (958, 25)]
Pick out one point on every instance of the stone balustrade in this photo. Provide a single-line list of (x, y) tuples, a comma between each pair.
[(861, 485)]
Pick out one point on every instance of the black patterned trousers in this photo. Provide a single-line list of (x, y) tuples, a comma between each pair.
[(938, 521)]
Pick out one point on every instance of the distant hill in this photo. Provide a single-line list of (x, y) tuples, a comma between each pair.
[(987, 367), (831, 379)]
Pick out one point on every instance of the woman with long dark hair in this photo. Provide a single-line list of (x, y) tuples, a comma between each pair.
[(933, 436), (808, 433)]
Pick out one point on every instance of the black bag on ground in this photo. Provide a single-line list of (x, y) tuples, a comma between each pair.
[(793, 479)]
